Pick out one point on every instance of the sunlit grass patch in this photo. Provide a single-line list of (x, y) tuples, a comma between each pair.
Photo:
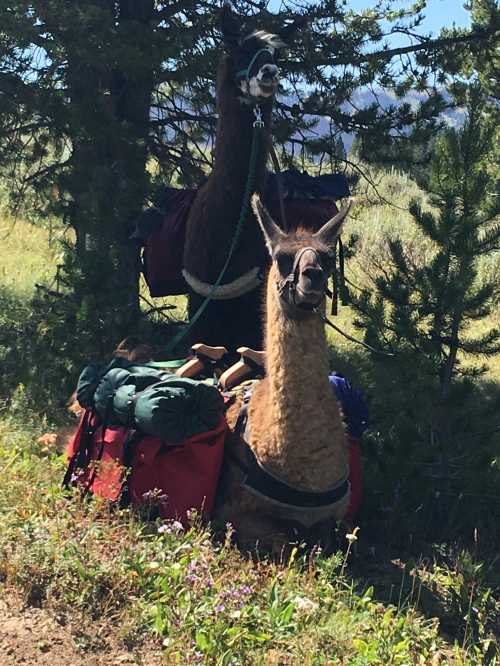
[(27, 255)]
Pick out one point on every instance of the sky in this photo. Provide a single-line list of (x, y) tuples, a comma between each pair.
[(439, 13)]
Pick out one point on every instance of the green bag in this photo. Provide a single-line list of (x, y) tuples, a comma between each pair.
[(123, 405), (97, 383), (177, 408), (150, 399)]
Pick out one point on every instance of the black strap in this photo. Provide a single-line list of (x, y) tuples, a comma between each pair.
[(262, 482), (257, 479), (81, 457), (344, 291), (133, 438)]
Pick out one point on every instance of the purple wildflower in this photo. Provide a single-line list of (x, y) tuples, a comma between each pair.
[(154, 496), (165, 529), (77, 475), (177, 527)]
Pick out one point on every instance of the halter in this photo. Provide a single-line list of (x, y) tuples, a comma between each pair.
[(289, 283), (245, 73)]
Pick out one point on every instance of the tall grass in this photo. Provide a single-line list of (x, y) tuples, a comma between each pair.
[(30, 254)]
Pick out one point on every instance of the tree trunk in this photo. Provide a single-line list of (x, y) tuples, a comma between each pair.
[(108, 182)]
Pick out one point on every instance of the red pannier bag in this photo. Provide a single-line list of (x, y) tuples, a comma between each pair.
[(163, 250), (181, 476), (162, 255)]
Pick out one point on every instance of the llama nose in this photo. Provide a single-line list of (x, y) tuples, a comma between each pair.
[(315, 277), (269, 71)]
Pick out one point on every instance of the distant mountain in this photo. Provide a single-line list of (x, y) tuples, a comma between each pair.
[(364, 97)]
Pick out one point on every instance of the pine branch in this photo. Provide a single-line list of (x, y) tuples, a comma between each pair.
[(431, 44)]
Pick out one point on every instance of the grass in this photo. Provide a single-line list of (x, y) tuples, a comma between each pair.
[(29, 255), (202, 600), (389, 599)]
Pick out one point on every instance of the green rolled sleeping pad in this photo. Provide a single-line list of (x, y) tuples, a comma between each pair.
[(92, 375), (177, 408), (149, 399), (123, 405), (98, 383), (137, 376)]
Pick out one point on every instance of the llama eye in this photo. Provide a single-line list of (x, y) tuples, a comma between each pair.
[(285, 263), (327, 261)]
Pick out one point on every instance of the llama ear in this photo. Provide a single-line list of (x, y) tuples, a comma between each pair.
[(330, 230), (229, 26), (272, 233), (289, 30)]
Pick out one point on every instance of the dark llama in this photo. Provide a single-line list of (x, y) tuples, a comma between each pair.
[(246, 86)]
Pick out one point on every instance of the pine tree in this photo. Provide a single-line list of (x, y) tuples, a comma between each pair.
[(426, 310), (94, 92)]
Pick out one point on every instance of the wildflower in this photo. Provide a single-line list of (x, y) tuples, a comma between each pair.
[(165, 529), (219, 608), (352, 537), (154, 496), (77, 475), (304, 604), (170, 527), (177, 527)]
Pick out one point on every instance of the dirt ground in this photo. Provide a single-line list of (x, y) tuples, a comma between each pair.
[(34, 636)]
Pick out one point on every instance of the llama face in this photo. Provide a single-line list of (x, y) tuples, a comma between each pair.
[(255, 69), (302, 268), (302, 261)]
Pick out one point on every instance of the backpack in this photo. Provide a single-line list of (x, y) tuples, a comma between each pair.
[(127, 466), (144, 432)]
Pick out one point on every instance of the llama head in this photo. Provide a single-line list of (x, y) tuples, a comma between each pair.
[(302, 260), (253, 55)]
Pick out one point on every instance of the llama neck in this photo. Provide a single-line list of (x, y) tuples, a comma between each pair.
[(302, 438), (234, 135)]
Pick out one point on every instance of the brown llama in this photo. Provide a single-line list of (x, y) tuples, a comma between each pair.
[(247, 79), (286, 468)]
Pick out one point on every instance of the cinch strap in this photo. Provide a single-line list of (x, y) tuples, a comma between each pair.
[(260, 481)]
